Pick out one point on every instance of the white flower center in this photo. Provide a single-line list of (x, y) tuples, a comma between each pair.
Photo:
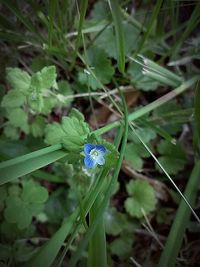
[(94, 153)]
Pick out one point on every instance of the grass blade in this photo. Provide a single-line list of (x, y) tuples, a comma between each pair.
[(49, 251), (149, 28), (83, 8), (97, 247), (107, 195), (14, 171), (52, 8), (175, 238), (116, 14), (150, 107), (29, 25), (197, 109)]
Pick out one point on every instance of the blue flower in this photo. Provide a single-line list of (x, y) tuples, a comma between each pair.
[(94, 154)]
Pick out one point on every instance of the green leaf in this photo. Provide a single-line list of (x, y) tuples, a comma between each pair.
[(147, 134), (100, 11), (13, 99), (141, 81), (17, 212), (167, 114), (38, 126), (133, 158), (122, 246), (19, 79), (72, 133), (106, 40), (100, 65), (89, 80), (34, 193), (18, 118), (173, 157), (48, 77), (21, 207), (142, 197), (11, 132), (135, 153), (49, 103), (115, 222), (64, 91), (76, 114), (54, 133)]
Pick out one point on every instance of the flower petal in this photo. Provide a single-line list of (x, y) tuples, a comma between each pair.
[(89, 162), (101, 149), (100, 160), (88, 148)]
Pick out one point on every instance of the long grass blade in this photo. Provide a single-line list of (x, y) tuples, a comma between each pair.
[(49, 251), (97, 245), (175, 237), (29, 25), (117, 142), (191, 24), (52, 8), (150, 25), (116, 14), (197, 109), (107, 195), (83, 9), (14, 171)]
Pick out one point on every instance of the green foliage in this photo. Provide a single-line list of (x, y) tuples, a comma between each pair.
[(18, 79), (106, 40), (122, 246), (19, 119), (142, 198), (30, 96), (37, 126), (135, 151), (72, 132), (172, 157), (13, 99), (100, 66), (115, 222), (22, 205), (168, 116), (138, 78)]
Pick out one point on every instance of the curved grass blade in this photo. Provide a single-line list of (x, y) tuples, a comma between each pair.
[(31, 155), (107, 195), (14, 171), (175, 237), (116, 14), (75, 230), (49, 251)]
